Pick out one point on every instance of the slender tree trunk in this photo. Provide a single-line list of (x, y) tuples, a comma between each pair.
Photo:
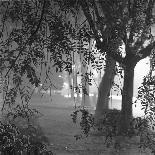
[(71, 85), (105, 87), (85, 95), (76, 86), (85, 86), (127, 95)]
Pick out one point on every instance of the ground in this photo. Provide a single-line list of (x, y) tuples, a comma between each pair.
[(59, 128)]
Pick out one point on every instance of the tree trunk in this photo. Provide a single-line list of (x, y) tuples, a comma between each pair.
[(85, 95), (85, 86), (71, 85), (105, 87), (76, 86), (127, 95)]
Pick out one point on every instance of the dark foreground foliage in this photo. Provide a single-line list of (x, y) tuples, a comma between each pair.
[(26, 140)]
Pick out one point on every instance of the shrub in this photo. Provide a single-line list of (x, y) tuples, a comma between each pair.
[(25, 139)]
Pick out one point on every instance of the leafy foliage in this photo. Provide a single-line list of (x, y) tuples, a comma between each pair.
[(15, 140), (86, 123), (107, 125), (146, 98), (40, 37), (35, 41)]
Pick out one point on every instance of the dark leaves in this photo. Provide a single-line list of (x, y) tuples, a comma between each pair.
[(86, 123)]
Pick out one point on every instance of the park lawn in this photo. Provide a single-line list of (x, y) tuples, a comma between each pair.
[(60, 130)]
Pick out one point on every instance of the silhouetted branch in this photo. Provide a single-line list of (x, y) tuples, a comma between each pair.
[(143, 53), (96, 10), (28, 40), (88, 15), (99, 43)]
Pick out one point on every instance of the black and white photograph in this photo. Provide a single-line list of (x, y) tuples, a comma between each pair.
[(77, 77)]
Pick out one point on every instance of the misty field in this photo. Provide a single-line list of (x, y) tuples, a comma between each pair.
[(57, 125)]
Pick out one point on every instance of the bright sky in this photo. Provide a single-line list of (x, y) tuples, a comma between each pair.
[(141, 70)]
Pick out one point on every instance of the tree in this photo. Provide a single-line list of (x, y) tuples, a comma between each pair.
[(122, 23), (84, 79), (32, 35), (115, 24), (73, 8), (35, 40), (125, 23), (105, 87)]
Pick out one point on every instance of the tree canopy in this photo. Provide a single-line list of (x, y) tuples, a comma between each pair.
[(41, 37)]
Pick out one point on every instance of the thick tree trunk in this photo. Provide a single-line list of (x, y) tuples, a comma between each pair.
[(127, 95), (105, 87)]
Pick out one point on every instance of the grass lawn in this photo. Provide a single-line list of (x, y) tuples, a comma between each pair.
[(59, 128)]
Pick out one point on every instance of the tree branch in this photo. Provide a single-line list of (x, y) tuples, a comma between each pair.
[(100, 44), (117, 57), (147, 25), (96, 11), (132, 15), (106, 8), (149, 12), (143, 53), (87, 14), (28, 40)]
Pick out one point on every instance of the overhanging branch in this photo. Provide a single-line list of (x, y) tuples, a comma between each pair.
[(96, 10), (143, 53), (87, 14), (28, 40)]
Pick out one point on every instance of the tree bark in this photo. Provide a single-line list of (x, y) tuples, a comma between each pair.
[(76, 86), (71, 85), (85, 86), (105, 87), (127, 95)]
